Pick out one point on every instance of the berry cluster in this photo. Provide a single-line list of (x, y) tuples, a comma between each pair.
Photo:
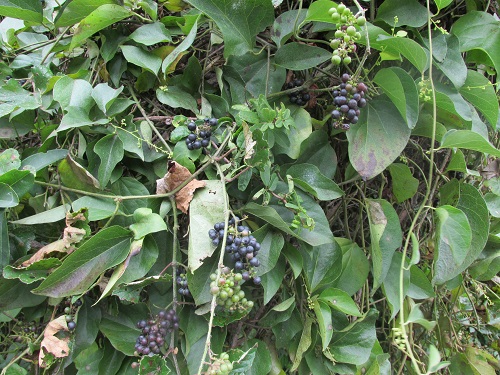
[(183, 283), (346, 34), (298, 97), (200, 135), (241, 245), (228, 291), (348, 100), (68, 314), (154, 332), (220, 366)]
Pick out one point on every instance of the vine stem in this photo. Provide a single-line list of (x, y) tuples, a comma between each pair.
[(171, 193), (402, 319), (151, 125), (218, 272), (174, 279)]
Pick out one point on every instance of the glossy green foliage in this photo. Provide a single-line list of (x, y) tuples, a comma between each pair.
[(312, 187)]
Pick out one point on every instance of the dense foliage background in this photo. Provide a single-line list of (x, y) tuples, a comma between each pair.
[(354, 145)]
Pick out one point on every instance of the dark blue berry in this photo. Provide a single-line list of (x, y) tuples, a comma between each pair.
[(192, 126)]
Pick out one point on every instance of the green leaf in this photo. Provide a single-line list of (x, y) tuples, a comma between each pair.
[(451, 63), (105, 96), (324, 317), (408, 12), (76, 93), (98, 208), (296, 135), (416, 316), (453, 240), (298, 56), (9, 160), (469, 200), (27, 10), (34, 272), (479, 30), (49, 216), (4, 240), (239, 22), (377, 139), (79, 271), (140, 57), (310, 179), (420, 286), (184, 45), (473, 362), (470, 140), (385, 235), (110, 151), (321, 264), (401, 89), (8, 197), (410, 49), (404, 185), (316, 150), (15, 369), (74, 11), (442, 3), (392, 286), (14, 294), (305, 339), (75, 176), (242, 361), (121, 330), (318, 11), (89, 359), (284, 25), (354, 343), (271, 244), (13, 98), (206, 209), (150, 34), (112, 360), (339, 300), (175, 97), (479, 91), (146, 222), (41, 160), (271, 281), (86, 330), (355, 267), (152, 365), (99, 19), (262, 363)]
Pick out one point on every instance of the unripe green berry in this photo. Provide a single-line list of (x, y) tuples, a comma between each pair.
[(335, 17), (347, 60), (361, 21), (336, 60), (332, 10), (339, 34), (341, 7), (67, 310), (351, 31)]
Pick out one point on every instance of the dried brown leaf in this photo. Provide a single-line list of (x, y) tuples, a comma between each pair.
[(71, 236), (491, 170), (175, 176), (51, 344)]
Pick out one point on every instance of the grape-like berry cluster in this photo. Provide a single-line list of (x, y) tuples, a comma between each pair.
[(241, 245), (183, 283), (154, 332), (228, 291), (200, 134), (298, 97), (348, 99), (346, 34), (220, 366)]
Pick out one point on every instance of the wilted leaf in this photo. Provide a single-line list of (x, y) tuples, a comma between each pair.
[(51, 344), (175, 176)]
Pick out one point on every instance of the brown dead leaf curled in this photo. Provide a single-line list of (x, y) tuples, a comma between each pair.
[(71, 236), (491, 170), (175, 176), (51, 344)]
